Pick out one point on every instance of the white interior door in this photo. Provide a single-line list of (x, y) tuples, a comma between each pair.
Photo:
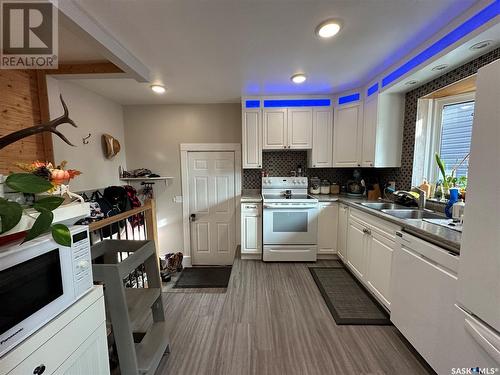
[(211, 178)]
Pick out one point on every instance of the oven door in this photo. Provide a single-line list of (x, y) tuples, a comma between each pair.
[(35, 285), (288, 224)]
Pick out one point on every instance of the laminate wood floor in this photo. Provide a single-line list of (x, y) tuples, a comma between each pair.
[(273, 320)]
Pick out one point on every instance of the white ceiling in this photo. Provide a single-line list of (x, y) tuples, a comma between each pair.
[(219, 50)]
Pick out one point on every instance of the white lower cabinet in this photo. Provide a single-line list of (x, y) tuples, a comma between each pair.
[(356, 247), (74, 342), (370, 243), (251, 230), (328, 217), (342, 232)]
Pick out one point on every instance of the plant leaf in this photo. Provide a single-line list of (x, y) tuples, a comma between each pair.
[(10, 214), (61, 234), (27, 183), (441, 168), (40, 226), (48, 204)]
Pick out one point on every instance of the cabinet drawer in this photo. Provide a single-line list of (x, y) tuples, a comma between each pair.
[(250, 208), (59, 347)]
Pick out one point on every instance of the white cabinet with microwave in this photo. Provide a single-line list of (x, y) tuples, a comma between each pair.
[(328, 218), (347, 135), (287, 128), (321, 155), (251, 230), (75, 342), (370, 243), (382, 130), (252, 138)]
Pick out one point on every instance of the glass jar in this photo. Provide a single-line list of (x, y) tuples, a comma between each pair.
[(325, 187)]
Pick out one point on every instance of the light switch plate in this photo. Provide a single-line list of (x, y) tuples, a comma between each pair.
[(177, 199)]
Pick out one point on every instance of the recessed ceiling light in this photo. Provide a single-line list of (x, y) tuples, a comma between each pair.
[(440, 67), (158, 89), (480, 45), (328, 28), (411, 83), (298, 78)]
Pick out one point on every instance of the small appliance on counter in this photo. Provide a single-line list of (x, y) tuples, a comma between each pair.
[(355, 187)]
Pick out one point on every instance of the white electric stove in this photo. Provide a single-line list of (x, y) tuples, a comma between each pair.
[(290, 223)]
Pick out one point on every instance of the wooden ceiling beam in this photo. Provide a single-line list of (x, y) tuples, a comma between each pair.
[(85, 68)]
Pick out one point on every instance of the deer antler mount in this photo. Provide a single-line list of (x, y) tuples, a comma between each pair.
[(50, 126)]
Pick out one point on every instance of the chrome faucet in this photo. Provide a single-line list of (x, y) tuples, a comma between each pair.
[(421, 196)]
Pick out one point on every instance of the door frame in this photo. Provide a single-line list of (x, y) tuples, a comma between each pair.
[(185, 148)]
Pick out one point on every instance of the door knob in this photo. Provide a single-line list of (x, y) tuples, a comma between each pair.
[(192, 217)]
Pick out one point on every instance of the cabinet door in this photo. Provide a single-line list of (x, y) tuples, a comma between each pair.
[(322, 144), (327, 228), (252, 138), (369, 131), (300, 122), (251, 228), (342, 232), (347, 136), (356, 248), (379, 266), (275, 124)]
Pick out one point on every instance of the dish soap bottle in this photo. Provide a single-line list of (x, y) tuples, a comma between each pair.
[(453, 199), (426, 187)]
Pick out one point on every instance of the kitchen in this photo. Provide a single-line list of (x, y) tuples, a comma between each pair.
[(322, 204)]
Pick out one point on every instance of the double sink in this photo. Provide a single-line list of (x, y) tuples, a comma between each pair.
[(401, 212)]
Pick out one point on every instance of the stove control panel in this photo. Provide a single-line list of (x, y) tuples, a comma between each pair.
[(284, 182)]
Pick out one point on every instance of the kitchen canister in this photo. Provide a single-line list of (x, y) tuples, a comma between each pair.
[(325, 187), (334, 188), (315, 185)]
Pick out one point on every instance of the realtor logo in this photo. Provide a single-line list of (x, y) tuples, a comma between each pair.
[(29, 35)]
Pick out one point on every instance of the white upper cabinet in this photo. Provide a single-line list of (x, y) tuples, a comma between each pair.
[(347, 135), (300, 127), (321, 155), (252, 138), (382, 130), (275, 128)]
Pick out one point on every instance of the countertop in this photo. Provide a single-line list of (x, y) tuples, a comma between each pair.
[(448, 239), (251, 196)]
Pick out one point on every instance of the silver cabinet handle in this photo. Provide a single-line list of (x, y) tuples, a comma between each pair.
[(250, 206)]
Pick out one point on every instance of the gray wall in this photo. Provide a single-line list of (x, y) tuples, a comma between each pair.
[(153, 134)]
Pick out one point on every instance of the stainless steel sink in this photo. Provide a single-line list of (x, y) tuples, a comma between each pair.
[(412, 214), (382, 205)]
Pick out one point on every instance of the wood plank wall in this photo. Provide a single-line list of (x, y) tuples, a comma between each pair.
[(20, 108)]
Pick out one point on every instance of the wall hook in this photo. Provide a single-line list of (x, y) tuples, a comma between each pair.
[(84, 139)]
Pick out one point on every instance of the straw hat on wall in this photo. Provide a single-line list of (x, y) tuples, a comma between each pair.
[(110, 145)]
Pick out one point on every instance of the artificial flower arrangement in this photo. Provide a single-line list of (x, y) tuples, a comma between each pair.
[(40, 178)]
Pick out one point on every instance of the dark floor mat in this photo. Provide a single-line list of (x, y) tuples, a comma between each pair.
[(204, 277), (348, 301)]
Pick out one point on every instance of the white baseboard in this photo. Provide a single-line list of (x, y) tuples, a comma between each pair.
[(186, 261)]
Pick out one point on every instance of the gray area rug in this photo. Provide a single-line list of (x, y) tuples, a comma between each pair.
[(348, 301)]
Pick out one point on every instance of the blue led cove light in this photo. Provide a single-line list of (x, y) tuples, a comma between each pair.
[(476, 21), (349, 98), (252, 104), (372, 89), (278, 103)]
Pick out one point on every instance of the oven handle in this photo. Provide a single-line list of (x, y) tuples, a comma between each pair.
[(309, 206)]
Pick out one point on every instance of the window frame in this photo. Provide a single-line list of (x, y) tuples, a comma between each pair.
[(432, 135)]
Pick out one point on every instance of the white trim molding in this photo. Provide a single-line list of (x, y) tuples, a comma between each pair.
[(185, 148)]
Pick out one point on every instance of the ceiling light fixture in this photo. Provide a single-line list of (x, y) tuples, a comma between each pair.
[(440, 67), (328, 28), (480, 45), (298, 78), (158, 89), (411, 83)]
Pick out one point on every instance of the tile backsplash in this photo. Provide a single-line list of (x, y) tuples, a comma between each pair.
[(282, 163)]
